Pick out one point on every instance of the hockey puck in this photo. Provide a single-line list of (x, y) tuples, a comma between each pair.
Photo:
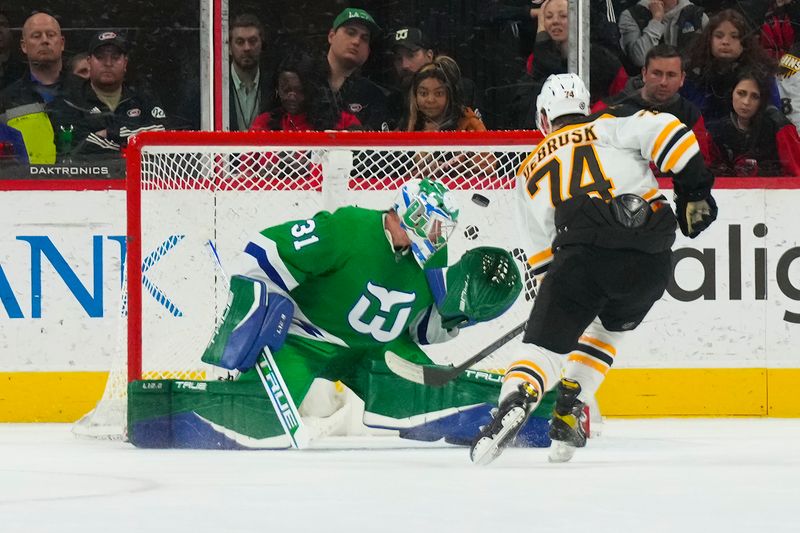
[(480, 199)]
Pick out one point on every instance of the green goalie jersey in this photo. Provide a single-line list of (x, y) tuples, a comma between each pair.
[(349, 286)]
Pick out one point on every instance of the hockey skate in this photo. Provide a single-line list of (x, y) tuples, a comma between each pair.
[(508, 419), (566, 427)]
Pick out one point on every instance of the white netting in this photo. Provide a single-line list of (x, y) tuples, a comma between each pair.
[(196, 197)]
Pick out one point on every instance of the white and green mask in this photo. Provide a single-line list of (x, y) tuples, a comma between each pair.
[(428, 214)]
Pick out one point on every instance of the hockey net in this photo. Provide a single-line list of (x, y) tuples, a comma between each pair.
[(195, 198)]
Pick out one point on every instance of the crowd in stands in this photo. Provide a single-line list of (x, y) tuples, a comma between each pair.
[(729, 71)]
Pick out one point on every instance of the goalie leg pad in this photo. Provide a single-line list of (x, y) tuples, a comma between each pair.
[(454, 412), (222, 415), (253, 319)]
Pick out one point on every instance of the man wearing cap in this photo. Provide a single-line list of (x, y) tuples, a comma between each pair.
[(98, 116), (411, 51), (349, 40)]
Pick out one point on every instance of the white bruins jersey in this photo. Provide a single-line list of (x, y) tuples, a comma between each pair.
[(604, 157), (789, 86)]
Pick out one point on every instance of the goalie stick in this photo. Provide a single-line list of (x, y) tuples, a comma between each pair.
[(438, 375), (275, 387)]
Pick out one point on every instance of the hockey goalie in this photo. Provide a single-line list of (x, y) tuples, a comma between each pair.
[(327, 297)]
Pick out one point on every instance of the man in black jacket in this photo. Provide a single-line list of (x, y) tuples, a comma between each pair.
[(657, 90), (350, 38), (98, 116)]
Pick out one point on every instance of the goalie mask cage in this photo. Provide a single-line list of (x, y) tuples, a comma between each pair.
[(195, 198)]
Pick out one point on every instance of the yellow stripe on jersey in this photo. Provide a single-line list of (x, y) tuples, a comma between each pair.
[(684, 147), (531, 366), (524, 377), (597, 343), (663, 136), (650, 194), (542, 257), (592, 363)]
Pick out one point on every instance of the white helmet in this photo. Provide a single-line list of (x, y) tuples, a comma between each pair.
[(562, 94), (428, 214)]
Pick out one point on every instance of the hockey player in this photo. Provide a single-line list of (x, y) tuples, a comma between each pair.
[(602, 232), (789, 84), (354, 283)]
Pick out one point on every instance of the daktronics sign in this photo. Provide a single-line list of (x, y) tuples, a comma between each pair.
[(732, 271)]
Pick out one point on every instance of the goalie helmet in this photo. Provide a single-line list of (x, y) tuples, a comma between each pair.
[(428, 214), (561, 94)]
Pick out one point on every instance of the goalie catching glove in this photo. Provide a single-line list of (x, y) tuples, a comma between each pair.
[(481, 286)]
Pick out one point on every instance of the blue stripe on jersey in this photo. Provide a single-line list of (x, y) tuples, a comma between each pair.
[(422, 327), (260, 255)]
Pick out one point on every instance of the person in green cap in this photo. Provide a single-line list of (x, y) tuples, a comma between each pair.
[(350, 36)]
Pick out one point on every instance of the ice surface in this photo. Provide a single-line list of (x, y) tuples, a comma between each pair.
[(687, 475)]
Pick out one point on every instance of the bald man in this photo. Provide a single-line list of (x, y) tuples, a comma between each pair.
[(23, 104), (43, 46)]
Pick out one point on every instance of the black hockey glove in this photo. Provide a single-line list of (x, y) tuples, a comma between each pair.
[(694, 216)]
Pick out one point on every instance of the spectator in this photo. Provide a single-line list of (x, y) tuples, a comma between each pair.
[(22, 103), (79, 65), (603, 28), (43, 45), (754, 139), (300, 107), (657, 90), (248, 87), (650, 22), (753, 11), (349, 39), (11, 68), (300, 80), (552, 49), (411, 50), (607, 75), (724, 47), (436, 104), (781, 28), (435, 100), (789, 85), (97, 117)]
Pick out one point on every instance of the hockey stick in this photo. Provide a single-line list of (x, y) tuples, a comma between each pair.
[(275, 387), (282, 401), (437, 375)]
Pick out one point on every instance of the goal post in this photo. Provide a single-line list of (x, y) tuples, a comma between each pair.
[(189, 190)]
